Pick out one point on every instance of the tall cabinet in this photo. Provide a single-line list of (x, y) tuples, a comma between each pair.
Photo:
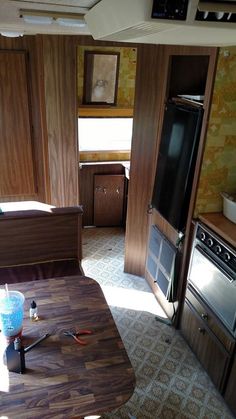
[(162, 72), (189, 71), (16, 157)]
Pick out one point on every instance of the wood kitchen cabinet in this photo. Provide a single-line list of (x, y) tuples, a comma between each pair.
[(108, 200), (230, 393), (16, 157), (209, 341)]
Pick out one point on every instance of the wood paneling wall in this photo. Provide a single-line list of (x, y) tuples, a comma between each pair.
[(52, 80), (29, 44), (59, 58), (143, 155), (16, 158)]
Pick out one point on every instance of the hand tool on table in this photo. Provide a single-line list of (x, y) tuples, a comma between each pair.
[(75, 335)]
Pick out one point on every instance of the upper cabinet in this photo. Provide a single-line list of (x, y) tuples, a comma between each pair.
[(188, 75), (16, 156)]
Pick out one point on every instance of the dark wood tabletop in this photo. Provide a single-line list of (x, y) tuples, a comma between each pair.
[(64, 379)]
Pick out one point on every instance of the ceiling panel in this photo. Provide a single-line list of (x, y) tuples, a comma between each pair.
[(10, 15), (70, 5)]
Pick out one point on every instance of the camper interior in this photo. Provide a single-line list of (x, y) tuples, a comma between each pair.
[(118, 139)]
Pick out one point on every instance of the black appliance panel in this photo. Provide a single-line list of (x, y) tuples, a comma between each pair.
[(176, 162), (170, 9)]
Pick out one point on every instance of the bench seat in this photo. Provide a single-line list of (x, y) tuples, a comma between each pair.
[(39, 241), (41, 270)]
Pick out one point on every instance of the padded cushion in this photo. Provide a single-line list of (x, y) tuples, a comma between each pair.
[(41, 270)]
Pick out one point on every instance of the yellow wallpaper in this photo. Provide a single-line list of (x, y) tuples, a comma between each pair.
[(127, 71), (218, 171)]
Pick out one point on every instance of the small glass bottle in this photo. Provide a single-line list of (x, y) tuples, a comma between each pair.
[(33, 312)]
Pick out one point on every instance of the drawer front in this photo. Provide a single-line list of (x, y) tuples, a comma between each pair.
[(230, 393), (208, 318), (210, 353)]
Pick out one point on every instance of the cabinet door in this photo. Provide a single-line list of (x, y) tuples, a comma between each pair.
[(208, 350), (108, 200), (16, 157), (230, 393)]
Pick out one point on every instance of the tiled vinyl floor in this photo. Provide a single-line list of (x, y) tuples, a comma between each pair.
[(170, 382)]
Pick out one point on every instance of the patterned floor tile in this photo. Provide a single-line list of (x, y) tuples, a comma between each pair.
[(170, 382)]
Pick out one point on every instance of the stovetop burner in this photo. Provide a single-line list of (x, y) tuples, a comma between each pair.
[(223, 252)]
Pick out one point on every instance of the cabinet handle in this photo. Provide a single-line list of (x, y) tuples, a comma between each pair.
[(118, 191), (201, 330), (204, 316), (149, 209)]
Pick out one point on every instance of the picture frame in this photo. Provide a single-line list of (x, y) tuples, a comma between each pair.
[(101, 70)]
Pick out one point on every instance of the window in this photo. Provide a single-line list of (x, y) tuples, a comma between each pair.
[(99, 134)]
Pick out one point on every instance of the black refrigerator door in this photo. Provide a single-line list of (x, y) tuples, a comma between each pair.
[(176, 162)]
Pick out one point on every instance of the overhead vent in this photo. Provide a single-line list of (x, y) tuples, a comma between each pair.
[(186, 22), (143, 29)]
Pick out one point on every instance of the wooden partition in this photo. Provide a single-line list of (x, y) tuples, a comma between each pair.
[(51, 77), (148, 96), (59, 65), (39, 233)]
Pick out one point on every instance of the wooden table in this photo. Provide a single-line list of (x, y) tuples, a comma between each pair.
[(64, 379)]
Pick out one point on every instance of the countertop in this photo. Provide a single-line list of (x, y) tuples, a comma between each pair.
[(220, 225), (125, 164), (28, 209)]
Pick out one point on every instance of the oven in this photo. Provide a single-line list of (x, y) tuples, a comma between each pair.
[(212, 274)]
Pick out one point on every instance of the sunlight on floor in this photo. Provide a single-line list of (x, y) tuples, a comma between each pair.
[(88, 417), (133, 300)]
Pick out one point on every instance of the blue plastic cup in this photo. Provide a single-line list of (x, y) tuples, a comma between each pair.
[(11, 313)]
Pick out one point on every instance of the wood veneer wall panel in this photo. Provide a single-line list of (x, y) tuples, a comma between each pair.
[(143, 155), (29, 45), (59, 54), (39, 238), (16, 159)]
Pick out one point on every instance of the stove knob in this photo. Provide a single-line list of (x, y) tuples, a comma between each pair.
[(226, 257), (210, 242), (202, 236), (218, 249)]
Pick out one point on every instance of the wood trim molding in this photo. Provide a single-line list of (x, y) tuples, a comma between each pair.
[(89, 111), (104, 156)]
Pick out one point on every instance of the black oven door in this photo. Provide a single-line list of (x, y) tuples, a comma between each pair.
[(214, 286)]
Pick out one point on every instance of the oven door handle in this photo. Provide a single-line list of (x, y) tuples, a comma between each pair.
[(205, 254)]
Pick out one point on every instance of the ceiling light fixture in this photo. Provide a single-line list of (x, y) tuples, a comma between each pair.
[(41, 17), (79, 23), (37, 20), (11, 34)]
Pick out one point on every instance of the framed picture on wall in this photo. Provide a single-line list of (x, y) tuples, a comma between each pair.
[(101, 70)]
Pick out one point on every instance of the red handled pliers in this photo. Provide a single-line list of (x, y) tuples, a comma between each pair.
[(75, 335)]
